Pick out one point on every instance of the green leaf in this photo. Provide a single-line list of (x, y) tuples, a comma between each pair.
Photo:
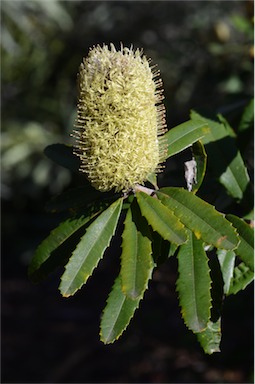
[(152, 179), (117, 313), (210, 338), (90, 250), (194, 284), (161, 219), (62, 154), (245, 249), (73, 199), (184, 135), (247, 117), (242, 277), (227, 264), (200, 157), (56, 238), (200, 217), (226, 161), (136, 259)]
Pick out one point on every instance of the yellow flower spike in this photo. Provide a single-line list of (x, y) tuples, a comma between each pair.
[(121, 118)]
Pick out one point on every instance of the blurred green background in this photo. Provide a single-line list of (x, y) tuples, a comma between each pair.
[(204, 50)]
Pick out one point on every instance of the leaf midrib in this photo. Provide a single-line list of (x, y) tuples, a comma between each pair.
[(90, 250), (197, 217)]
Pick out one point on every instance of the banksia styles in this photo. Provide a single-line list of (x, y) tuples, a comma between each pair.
[(121, 118)]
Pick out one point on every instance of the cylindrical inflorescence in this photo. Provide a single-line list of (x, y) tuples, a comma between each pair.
[(121, 118)]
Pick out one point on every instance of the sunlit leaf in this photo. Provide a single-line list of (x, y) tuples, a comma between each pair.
[(194, 284), (200, 217), (184, 135), (90, 250), (161, 219)]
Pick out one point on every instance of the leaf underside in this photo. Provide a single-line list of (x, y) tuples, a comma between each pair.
[(200, 157), (210, 338), (242, 277), (227, 264)]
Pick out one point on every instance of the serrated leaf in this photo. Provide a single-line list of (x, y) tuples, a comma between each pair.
[(161, 219), (117, 313), (184, 135), (62, 154), (242, 277), (200, 217), (56, 238), (90, 250), (245, 249), (226, 161), (200, 157), (227, 264), (210, 338), (194, 284), (217, 288), (161, 249), (136, 258)]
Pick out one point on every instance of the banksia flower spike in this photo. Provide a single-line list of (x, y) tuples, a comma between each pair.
[(121, 118)]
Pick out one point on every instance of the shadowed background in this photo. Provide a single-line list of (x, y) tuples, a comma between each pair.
[(204, 51)]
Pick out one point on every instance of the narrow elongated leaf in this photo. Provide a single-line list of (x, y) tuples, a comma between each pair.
[(62, 154), (227, 264), (242, 277), (200, 157), (210, 338), (90, 250), (245, 249), (136, 259), (117, 313), (57, 237), (194, 284), (184, 135), (217, 288), (247, 117), (161, 219), (73, 198), (200, 217), (226, 160)]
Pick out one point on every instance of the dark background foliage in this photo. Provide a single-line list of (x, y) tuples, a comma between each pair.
[(204, 51)]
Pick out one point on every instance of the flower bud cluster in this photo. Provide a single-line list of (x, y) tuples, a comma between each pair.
[(120, 119)]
